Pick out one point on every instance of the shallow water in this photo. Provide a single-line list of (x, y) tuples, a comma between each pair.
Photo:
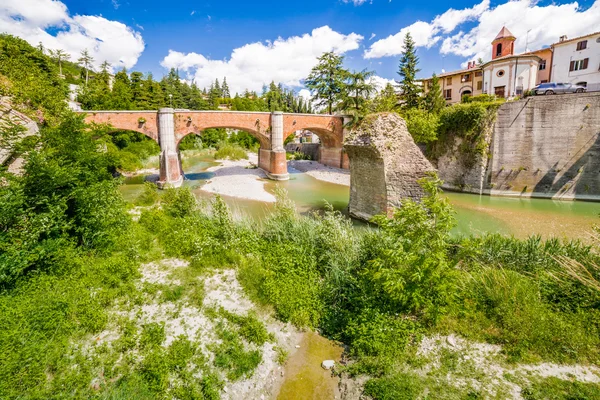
[(304, 376), (475, 214)]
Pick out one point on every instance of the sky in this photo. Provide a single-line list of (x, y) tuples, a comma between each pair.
[(255, 42)]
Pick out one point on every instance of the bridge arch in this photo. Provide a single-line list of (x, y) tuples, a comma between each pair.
[(195, 122), (144, 122)]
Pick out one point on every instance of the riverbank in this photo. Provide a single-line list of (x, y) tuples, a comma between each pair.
[(239, 179), (322, 172)]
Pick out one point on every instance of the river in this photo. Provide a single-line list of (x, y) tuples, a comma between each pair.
[(475, 214)]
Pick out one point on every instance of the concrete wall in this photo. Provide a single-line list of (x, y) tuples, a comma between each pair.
[(544, 146), (547, 146), (310, 149)]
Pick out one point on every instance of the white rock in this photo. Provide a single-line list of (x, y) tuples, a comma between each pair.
[(297, 346), (328, 364)]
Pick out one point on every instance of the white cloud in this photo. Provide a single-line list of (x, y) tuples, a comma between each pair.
[(106, 40), (425, 34), (356, 2), (546, 24), (380, 82), (287, 61), (372, 36), (193, 12)]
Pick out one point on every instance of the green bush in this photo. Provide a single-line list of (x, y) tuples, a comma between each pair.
[(227, 151), (421, 124)]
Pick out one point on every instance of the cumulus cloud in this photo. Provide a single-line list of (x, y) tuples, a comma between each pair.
[(253, 65), (106, 40), (545, 23), (425, 34)]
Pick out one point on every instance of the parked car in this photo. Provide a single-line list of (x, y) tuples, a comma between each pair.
[(556, 88)]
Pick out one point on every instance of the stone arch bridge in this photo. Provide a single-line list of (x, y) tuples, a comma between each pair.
[(168, 127)]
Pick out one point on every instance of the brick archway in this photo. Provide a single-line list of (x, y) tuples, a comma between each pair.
[(169, 127), (256, 124)]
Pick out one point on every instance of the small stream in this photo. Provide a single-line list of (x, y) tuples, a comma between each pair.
[(475, 214)]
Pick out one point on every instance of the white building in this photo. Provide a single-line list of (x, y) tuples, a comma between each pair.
[(509, 74), (577, 61)]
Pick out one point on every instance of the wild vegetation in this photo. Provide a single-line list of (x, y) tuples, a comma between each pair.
[(72, 295)]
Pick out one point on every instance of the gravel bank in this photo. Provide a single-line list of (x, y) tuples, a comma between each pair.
[(322, 172)]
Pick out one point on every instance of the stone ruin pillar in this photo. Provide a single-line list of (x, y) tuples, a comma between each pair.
[(385, 165), (273, 160), (171, 175)]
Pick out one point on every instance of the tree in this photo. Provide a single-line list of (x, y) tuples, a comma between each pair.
[(434, 102), (225, 89), (357, 91), (386, 100), (86, 60), (480, 62), (121, 96), (408, 71), (59, 55), (326, 80)]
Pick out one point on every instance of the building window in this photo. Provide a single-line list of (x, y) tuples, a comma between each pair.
[(479, 85), (449, 81), (448, 94), (582, 45), (466, 78), (542, 65), (478, 74), (577, 65), (500, 73), (498, 49)]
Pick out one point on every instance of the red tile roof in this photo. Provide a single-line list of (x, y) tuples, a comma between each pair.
[(504, 33)]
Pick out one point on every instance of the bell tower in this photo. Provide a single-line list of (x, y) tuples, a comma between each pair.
[(504, 44)]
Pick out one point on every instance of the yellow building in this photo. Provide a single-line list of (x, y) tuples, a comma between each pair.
[(456, 84)]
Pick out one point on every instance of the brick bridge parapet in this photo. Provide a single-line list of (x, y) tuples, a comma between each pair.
[(168, 127)]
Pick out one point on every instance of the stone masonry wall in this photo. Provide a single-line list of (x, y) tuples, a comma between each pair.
[(547, 146), (385, 166)]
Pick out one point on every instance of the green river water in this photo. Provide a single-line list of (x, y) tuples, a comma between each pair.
[(475, 214)]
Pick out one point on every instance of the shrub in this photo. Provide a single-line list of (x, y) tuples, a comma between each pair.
[(422, 125), (232, 152)]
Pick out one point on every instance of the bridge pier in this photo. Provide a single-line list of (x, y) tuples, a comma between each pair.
[(171, 175), (273, 161)]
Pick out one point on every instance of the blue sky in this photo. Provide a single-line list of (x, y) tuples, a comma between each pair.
[(203, 35)]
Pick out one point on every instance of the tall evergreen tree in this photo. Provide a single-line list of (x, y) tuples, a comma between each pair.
[(121, 98), (408, 71), (86, 60), (434, 102), (225, 89), (326, 80)]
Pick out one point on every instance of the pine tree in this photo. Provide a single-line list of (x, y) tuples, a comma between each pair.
[(326, 80), (408, 71), (434, 102), (121, 97), (225, 89)]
